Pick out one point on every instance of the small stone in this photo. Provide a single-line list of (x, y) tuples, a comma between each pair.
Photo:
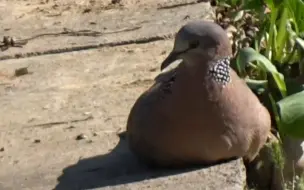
[(152, 69), (81, 137), (31, 120), (163, 52), (87, 113), (90, 141), (115, 1), (21, 71), (87, 10), (71, 127), (186, 17), (2, 149), (95, 134), (37, 141)]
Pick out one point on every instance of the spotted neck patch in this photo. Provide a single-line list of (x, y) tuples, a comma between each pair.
[(220, 72)]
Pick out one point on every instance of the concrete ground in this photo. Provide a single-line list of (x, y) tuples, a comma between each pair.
[(88, 61)]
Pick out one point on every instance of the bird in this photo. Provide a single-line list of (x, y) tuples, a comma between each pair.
[(201, 112)]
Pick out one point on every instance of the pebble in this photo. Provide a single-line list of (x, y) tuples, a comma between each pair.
[(81, 136), (87, 10), (153, 69), (2, 149), (163, 52), (37, 141), (71, 127), (115, 1), (21, 71), (87, 113), (31, 120), (95, 134)]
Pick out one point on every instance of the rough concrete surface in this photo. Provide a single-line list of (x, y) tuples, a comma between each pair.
[(60, 122)]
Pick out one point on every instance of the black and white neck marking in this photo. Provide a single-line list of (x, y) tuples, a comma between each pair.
[(220, 72)]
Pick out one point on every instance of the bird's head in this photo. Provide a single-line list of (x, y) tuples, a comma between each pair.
[(199, 42)]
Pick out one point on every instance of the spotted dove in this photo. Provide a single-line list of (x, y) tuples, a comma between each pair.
[(201, 112)]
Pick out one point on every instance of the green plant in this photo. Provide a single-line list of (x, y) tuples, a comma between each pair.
[(274, 65), (272, 62)]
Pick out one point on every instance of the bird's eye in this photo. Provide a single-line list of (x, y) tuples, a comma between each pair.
[(193, 44)]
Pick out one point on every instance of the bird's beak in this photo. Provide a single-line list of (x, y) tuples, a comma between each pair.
[(173, 56)]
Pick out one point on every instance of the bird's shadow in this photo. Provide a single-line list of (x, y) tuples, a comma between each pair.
[(118, 167)]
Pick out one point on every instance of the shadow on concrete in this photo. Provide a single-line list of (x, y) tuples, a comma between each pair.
[(116, 168)]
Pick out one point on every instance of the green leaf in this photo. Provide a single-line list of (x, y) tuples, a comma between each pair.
[(247, 55), (256, 85), (281, 38), (256, 5), (271, 43), (296, 9), (275, 112), (273, 4), (279, 79), (223, 4), (300, 42), (291, 113), (291, 32), (234, 2)]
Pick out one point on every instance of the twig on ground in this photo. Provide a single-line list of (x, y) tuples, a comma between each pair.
[(50, 124), (11, 42)]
